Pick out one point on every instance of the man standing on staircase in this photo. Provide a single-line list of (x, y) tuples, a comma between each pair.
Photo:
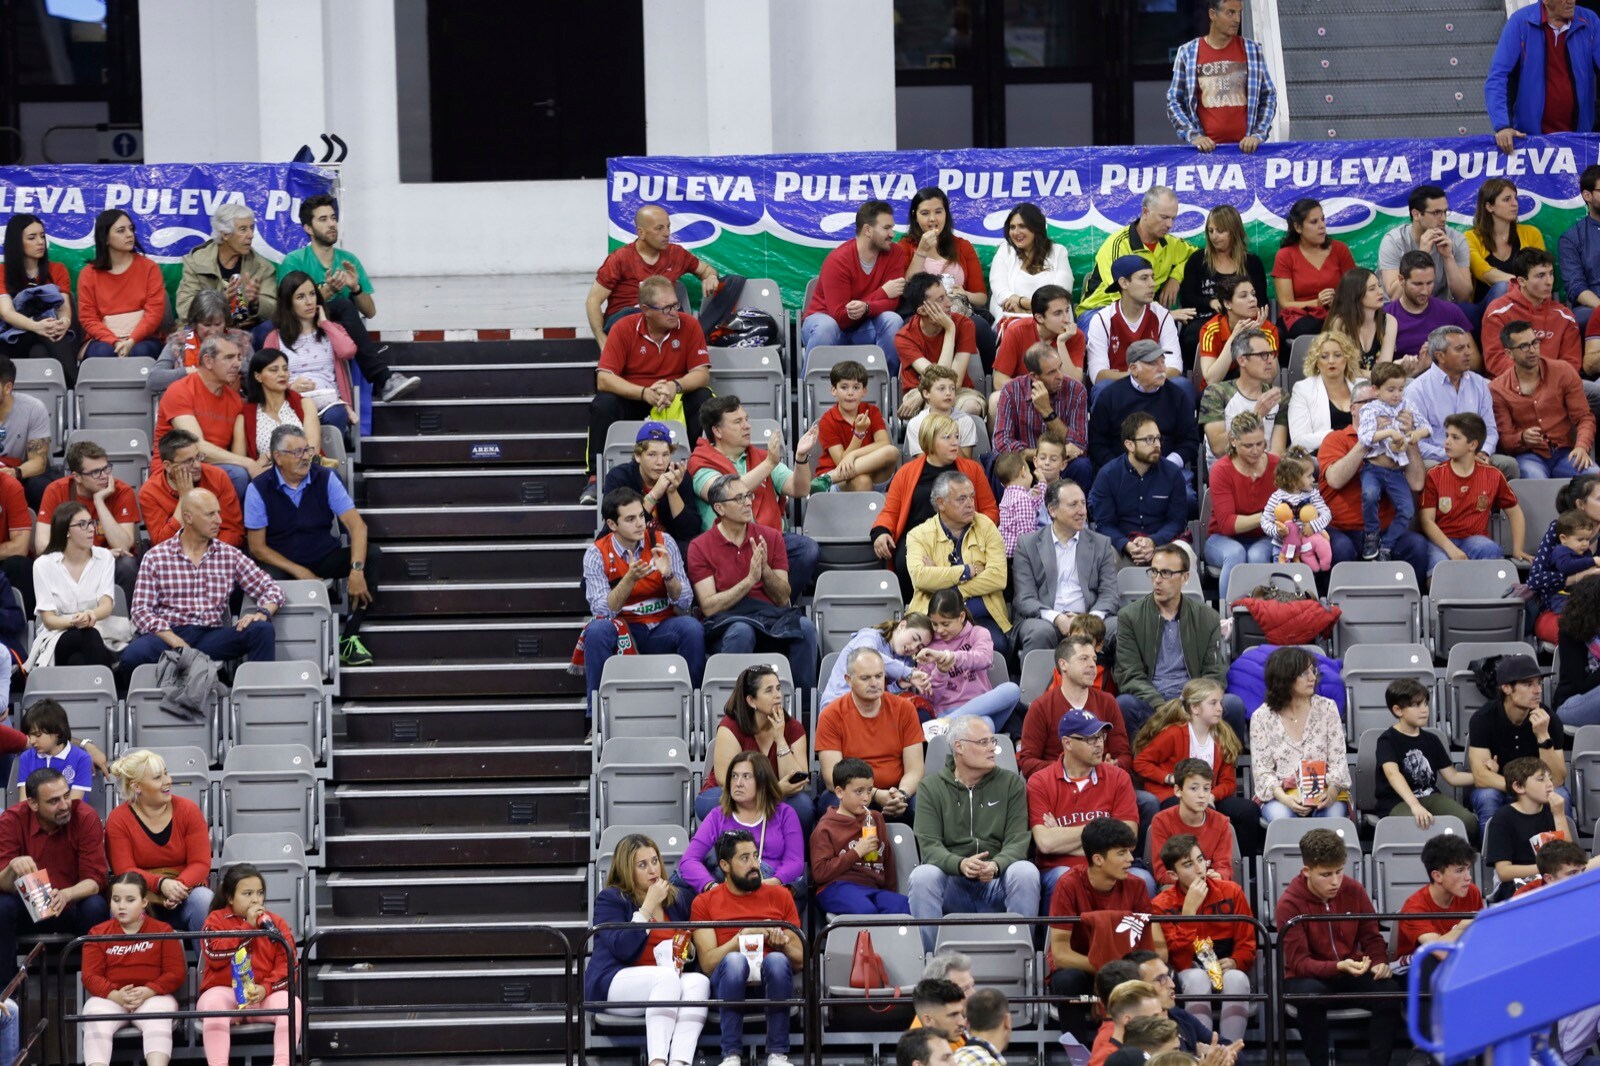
[(1221, 91), (1542, 76)]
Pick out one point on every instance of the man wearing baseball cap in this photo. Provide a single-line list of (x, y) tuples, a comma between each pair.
[(1146, 389), (1134, 315), (658, 478), (1515, 725), (1149, 237), (1067, 795)]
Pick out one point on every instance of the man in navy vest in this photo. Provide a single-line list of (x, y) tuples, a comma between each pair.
[(288, 519)]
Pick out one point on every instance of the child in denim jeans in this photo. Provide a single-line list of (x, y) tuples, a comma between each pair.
[(1389, 425)]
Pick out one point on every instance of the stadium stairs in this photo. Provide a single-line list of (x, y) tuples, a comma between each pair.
[(1371, 68), (459, 812)]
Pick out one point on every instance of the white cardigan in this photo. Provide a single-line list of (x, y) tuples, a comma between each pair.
[(1007, 278), (1308, 414)]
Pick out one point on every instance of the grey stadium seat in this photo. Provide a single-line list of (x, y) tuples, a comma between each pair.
[(847, 602), (1005, 756), (112, 393), (304, 625), (190, 769), (1397, 857), (146, 725), (1381, 603), (814, 395), (1364, 779), (1280, 855), (644, 696), (272, 788), (1368, 670), (1586, 776), (281, 858), (642, 780), (1245, 577), (280, 702), (755, 375), (897, 941), (1471, 600), (89, 695), (717, 685), (1002, 957), (670, 840), (127, 447), (839, 522), (45, 381), (1461, 692)]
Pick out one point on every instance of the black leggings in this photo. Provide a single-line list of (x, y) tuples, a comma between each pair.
[(83, 647)]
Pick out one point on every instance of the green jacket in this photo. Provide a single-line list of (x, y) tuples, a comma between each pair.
[(954, 822), (201, 271), (1139, 642)]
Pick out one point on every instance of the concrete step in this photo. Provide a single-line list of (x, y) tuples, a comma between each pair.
[(385, 848), (424, 522), (422, 598), (454, 449), (461, 722), (450, 354), (441, 677), (1441, 99), (503, 893), (1337, 25), (435, 937), (464, 804), (439, 1032), (440, 984), (502, 414), (1360, 127), (464, 758), (482, 379), (471, 640), (474, 561), (472, 486), (1326, 8)]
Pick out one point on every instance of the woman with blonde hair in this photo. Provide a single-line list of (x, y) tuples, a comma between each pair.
[(637, 962), (1495, 237), (161, 837), (1320, 402), (1192, 727), (1241, 483)]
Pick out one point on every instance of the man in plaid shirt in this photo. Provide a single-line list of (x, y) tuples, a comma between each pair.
[(183, 590), (1045, 396), (1221, 90)]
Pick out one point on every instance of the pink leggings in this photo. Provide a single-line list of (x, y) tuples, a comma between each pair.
[(97, 1036), (215, 1029)]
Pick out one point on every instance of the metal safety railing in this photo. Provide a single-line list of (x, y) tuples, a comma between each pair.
[(17, 990)]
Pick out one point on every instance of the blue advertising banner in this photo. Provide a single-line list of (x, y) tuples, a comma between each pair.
[(171, 204), (776, 216)]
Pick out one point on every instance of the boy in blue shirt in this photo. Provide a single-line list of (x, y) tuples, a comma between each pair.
[(50, 745)]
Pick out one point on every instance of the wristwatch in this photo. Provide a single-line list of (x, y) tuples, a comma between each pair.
[(1547, 743), (358, 565), (1051, 417)]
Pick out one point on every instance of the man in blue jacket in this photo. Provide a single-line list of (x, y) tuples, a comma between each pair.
[(1545, 61), (1139, 500), (1580, 250)]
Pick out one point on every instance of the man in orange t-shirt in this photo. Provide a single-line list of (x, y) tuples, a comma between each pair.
[(111, 503), (206, 403), (182, 470), (879, 728)]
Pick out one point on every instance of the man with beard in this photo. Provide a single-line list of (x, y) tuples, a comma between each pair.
[(859, 287)]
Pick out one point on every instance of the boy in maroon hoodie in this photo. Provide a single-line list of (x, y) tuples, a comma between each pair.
[(852, 863), (1335, 957)]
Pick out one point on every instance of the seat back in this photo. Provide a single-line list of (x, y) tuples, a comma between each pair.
[(1368, 671), (279, 703), (45, 381), (1462, 698), (1038, 667), (907, 854), (840, 523), (111, 393), (1537, 498), (621, 438), (755, 375), (846, 603), (127, 447), (190, 770), (763, 294), (644, 696), (304, 625), (1002, 957), (1247, 576), (1472, 601), (1397, 869), (1586, 776), (815, 396), (1280, 855), (643, 780), (281, 858), (670, 842), (1381, 603), (272, 788), (87, 693), (896, 940), (721, 678), (148, 726)]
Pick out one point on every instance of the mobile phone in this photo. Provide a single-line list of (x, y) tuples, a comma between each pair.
[(798, 776)]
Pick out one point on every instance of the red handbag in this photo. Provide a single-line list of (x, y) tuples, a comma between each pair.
[(867, 971)]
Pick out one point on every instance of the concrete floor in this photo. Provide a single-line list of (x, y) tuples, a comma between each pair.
[(495, 301)]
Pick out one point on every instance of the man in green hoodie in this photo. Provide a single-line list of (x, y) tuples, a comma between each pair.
[(972, 829)]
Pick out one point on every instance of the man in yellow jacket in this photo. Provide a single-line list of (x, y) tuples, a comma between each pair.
[(961, 549)]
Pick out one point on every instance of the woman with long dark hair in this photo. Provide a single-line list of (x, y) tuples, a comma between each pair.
[(1307, 270), (1027, 259), (1291, 733), (72, 587), (41, 328), (1495, 237), (318, 350), (270, 403), (935, 249), (1578, 651), (1357, 312), (755, 719), (122, 298)]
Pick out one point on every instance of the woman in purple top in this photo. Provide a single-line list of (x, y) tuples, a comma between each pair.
[(751, 802)]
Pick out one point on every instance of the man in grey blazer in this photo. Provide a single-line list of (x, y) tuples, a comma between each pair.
[(1048, 596)]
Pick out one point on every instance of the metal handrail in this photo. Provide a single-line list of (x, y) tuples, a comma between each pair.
[(581, 1006), (17, 984), (291, 983)]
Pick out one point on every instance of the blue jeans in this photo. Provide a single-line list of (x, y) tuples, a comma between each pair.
[(1410, 548), (845, 897), (742, 638), (1476, 547), (337, 416), (1486, 802), (1082, 470), (1136, 712), (1376, 483), (804, 805), (820, 329), (258, 643), (995, 706), (803, 554), (678, 635), (1272, 810), (1225, 553), (146, 349), (728, 984), (1557, 466), (240, 478), (189, 915), (935, 893), (1582, 709)]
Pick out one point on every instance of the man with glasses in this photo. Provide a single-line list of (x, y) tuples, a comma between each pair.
[(1139, 499), (740, 573), (111, 503), (960, 548), (1427, 232), (1255, 389), (649, 361), (1540, 410), (616, 293), (1339, 480), (972, 832), (288, 518), (1154, 971), (1166, 640), (182, 469), (1069, 793), (1451, 387)]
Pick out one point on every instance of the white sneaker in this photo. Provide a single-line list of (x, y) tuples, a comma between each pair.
[(399, 385), (732, 1060), (777, 1060)]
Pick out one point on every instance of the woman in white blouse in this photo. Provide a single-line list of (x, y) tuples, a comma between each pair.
[(72, 583), (1320, 402), (1027, 260), (1291, 732)]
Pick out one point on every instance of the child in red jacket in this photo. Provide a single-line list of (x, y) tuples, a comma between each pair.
[(1200, 890), (1321, 957), (244, 893), (131, 978)]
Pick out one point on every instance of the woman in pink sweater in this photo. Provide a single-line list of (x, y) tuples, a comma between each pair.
[(958, 660)]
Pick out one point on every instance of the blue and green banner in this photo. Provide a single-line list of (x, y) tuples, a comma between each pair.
[(170, 204), (776, 216)]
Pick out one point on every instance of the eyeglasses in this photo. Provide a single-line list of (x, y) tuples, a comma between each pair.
[(982, 742), (743, 497), (1094, 741), (1163, 575), (1154, 438), (298, 453), (671, 308), (1268, 354), (1528, 346), (97, 473), (87, 524)]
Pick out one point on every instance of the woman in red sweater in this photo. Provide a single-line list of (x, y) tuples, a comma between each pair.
[(244, 892), (935, 249), (909, 501), (1191, 727), (161, 837), (127, 979), (122, 299)]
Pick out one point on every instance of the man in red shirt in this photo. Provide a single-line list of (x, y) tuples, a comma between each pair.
[(1221, 90), (1041, 745), (89, 481), (1338, 469), (181, 470), (206, 403), (1458, 495), (1531, 298), (1067, 796), (14, 556), (859, 287), (936, 336), (62, 839), (648, 362), (615, 292), (1053, 324), (1448, 860), (1102, 884)]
